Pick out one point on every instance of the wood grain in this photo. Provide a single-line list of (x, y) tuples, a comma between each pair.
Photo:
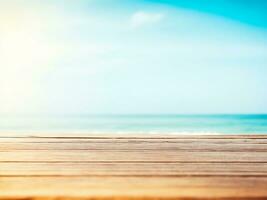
[(133, 167)]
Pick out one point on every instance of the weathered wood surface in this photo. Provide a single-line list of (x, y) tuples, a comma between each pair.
[(133, 167)]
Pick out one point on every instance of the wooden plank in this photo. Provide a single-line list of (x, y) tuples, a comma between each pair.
[(117, 167), (137, 156), (175, 146), (133, 187), (133, 169)]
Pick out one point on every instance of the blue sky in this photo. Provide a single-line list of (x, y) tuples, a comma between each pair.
[(121, 57), (252, 12)]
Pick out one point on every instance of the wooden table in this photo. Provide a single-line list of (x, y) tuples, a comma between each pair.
[(133, 167)]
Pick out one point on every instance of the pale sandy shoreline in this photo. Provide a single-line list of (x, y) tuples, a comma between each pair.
[(129, 134)]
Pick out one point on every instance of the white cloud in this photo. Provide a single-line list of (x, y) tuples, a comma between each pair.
[(142, 18)]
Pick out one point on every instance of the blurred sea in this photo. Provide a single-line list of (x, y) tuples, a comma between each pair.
[(138, 124)]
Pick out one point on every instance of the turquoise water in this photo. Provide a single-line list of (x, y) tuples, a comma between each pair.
[(174, 124)]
